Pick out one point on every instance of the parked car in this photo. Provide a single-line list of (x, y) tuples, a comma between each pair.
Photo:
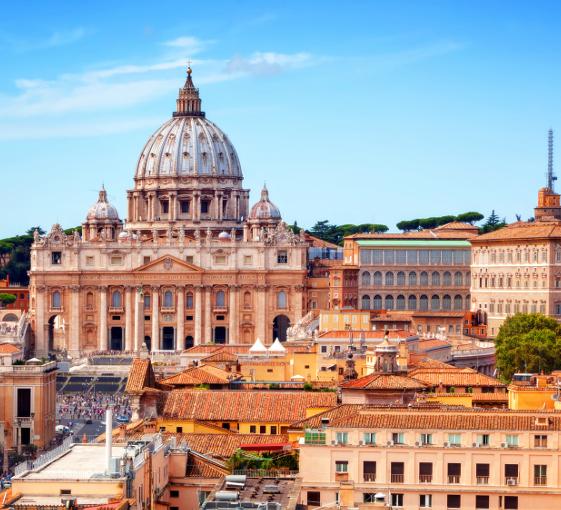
[(62, 429), (122, 419)]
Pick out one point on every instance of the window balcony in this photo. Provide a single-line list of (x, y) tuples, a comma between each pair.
[(397, 478), (482, 480), (511, 480), (453, 478), (425, 478), (369, 477), (116, 309), (540, 480)]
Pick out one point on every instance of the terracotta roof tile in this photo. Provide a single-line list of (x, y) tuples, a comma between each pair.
[(204, 374), (316, 421), (221, 356), (8, 349), (201, 467), (384, 382), (244, 406), (398, 334), (523, 230), (454, 378)]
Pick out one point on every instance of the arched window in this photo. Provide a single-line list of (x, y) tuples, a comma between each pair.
[(401, 278), (423, 303), (435, 279), (458, 280), (247, 299), (435, 303), (116, 299), (400, 302), (89, 299), (220, 299), (56, 301), (413, 278), (366, 279), (366, 302), (281, 299), (447, 279), (377, 278), (412, 303), (446, 302), (389, 278), (389, 303), (424, 279), (168, 299), (377, 302), (189, 301)]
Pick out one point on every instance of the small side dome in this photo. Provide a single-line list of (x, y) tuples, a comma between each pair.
[(264, 209), (102, 210)]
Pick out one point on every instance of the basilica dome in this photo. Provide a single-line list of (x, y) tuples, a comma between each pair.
[(188, 144), (264, 209), (102, 210)]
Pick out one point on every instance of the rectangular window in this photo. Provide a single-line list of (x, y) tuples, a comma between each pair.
[(369, 438), (397, 472), (146, 301), (540, 474), (65, 492), (512, 440), (273, 429), (425, 500), (314, 437), (435, 257), (483, 439), (25, 435), (116, 260), (511, 502), (398, 438), (146, 259), (369, 497), (481, 502), (540, 441), (511, 474), (313, 498), (179, 430), (400, 257), (455, 439), (262, 429), (342, 437), (220, 259), (247, 260), (389, 257), (164, 204), (424, 257), (426, 439), (453, 501), (252, 429), (341, 466), (24, 402), (205, 206), (56, 257), (411, 257), (90, 261), (184, 206), (454, 470), (282, 257), (425, 472), (173, 494), (189, 259), (397, 499), (369, 470), (365, 256), (482, 474), (377, 257)]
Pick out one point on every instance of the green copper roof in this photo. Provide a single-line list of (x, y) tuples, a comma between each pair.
[(429, 243)]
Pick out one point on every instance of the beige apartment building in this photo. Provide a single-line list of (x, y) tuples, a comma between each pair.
[(422, 457), (518, 268)]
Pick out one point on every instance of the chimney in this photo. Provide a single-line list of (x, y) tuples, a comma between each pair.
[(108, 439)]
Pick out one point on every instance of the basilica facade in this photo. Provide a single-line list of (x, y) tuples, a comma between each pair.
[(192, 263)]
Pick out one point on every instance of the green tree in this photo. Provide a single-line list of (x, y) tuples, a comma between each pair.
[(528, 343), (470, 217), (7, 299), (492, 223)]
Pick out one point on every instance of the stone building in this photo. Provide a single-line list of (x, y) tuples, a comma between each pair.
[(192, 263)]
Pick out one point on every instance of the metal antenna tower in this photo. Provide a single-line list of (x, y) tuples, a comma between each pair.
[(551, 178)]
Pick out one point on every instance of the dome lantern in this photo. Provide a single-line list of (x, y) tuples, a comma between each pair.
[(188, 100)]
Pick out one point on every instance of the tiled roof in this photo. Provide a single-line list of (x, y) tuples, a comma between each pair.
[(442, 232), (476, 397), (430, 343), (523, 230), (201, 467), (458, 377), (223, 446), (8, 349), (316, 421), (221, 356), (316, 242), (430, 363), (446, 418), (141, 375), (204, 374), (244, 406), (384, 382)]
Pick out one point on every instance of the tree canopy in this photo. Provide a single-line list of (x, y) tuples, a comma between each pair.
[(436, 221), (7, 299), (528, 343), (492, 223), (335, 233)]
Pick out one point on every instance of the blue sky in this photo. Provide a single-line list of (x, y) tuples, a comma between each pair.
[(362, 111)]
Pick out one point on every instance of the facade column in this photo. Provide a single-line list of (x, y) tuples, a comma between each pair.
[(233, 329), (198, 314), (74, 343), (41, 335), (261, 311), (138, 320), (103, 318), (298, 302), (155, 341), (129, 333), (208, 328), (219, 199), (180, 327), (172, 206)]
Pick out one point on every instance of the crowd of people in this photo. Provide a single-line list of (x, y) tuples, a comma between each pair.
[(91, 406)]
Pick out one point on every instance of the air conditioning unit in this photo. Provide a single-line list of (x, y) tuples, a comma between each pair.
[(475, 445), (445, 445), (503, 445), (389, 443), (360, 443), (417, 443), (511, 481)]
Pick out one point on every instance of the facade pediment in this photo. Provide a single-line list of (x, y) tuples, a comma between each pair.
[(168, 263)]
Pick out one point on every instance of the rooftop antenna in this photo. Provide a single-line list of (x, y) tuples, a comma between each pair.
[(551, 178)]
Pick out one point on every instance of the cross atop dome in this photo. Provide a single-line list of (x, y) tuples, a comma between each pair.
[(188, 100)]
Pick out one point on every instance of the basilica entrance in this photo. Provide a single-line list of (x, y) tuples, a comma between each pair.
[(116, 342), (219, 335), (280, 325), (189, 342), (56, 333), (168, 335), (148, 343)]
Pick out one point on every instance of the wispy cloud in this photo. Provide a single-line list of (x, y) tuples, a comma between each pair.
[(187, 44), (52, 40), (268, 63), (65, 37)]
